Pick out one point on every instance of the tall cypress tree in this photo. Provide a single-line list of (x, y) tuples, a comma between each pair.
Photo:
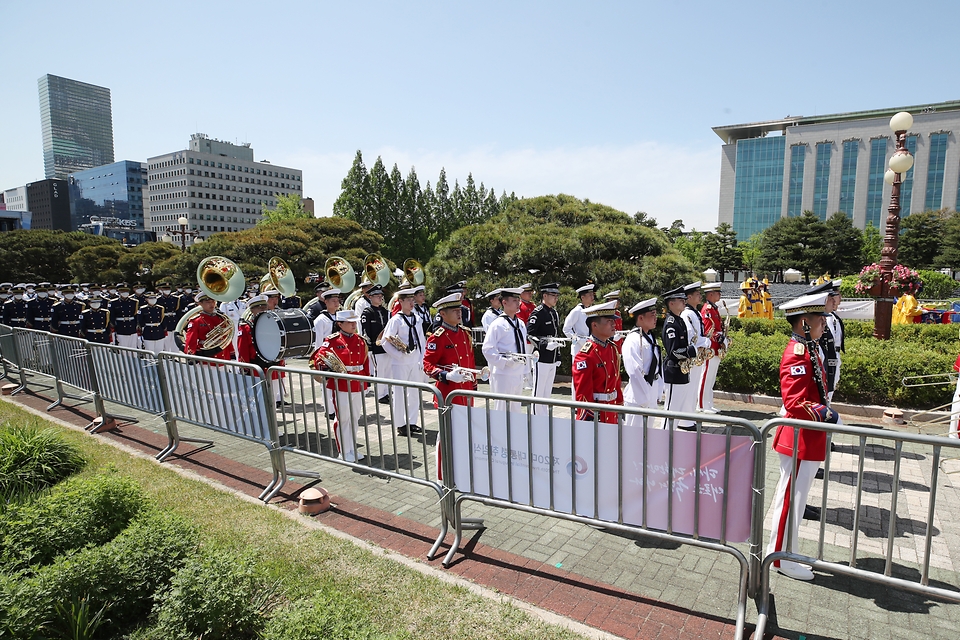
[(381, 200), (354, 199)]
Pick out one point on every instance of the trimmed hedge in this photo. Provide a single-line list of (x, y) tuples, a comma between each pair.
[(73, 514)]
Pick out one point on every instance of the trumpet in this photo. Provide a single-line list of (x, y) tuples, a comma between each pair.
[(522, 357), (395, 340), (472, 375)]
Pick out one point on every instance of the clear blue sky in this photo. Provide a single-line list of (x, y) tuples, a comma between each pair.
[(608, 101)]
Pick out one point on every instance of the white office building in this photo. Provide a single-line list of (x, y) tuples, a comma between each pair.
[(216, 185)]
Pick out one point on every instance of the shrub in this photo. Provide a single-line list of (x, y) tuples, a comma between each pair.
[(124, 574), (216, 595), (32, 459), (325, 615), (937, 286), (73, 514)]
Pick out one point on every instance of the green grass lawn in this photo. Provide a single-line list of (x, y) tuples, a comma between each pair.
[(402, 602)]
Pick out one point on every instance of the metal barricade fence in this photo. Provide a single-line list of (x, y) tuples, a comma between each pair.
[(866, 516), (127, 377), (8, 351), (72, 366), (313, 427), (34, 354), (553, 465), (222, 395)]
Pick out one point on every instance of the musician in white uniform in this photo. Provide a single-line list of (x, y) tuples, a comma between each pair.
[(404, 343), (643, 361), (504, 347), (323, 325), (494, 312), (685, 396), (835, 325), (234, 310), (575, 324)]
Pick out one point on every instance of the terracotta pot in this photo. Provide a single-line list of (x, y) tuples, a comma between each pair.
[(876, 290)]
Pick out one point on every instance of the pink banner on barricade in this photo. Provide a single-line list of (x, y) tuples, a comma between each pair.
[(581, 463)]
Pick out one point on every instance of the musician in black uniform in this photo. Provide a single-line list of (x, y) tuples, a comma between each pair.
[(150, 323), (123, 317), (291, 302), (66, 314), (543, 329), (676, 349), (421, 310), (171, 307), (95, 321), (372, 323), (5, 294), (15, 309), (315, 305), (139, 293), (40, 309)]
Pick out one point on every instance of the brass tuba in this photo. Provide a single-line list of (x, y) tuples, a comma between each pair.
[(339, 273), (413, 271), (376, 270), (221, 279), (281, 277)]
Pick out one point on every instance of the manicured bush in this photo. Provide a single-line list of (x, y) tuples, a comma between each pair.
[(936, 285), (71, 515), (327, 615), (216, 595), (32, 458), (124, 574)]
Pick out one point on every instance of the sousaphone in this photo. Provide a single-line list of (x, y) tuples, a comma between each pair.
[(376, 269), (221, 279), (281, 277), (339, 273), (413, 271)]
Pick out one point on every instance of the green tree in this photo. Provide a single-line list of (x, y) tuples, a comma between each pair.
[(353, 202), (794, 242), (842, 244), (949, 257), (99, 263), (752, 251), (37, 255), (870, 249), (289, 207), (920, 236), (691, 247), (721, 250), (643, 219)]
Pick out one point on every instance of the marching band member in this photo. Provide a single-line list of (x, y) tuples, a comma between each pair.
[(171, 306), (123, 315), (351, 350), (421, 309), (291, 302), (596, 367), (745, 310), (836, 330), (466, 312), (502, 347), (713, 330), (139, 292), (679, 352), (233, 309), (450, 350), (804, 392), (405, 344), (618, 319), (201, 325), (697, 338), (276, 379), (150, 323), (643, 361), (766, 300), (543, 328), (95, 321), (246, 350), (40, 309), (66, 314), (323, 325), (494, 312), (373, 321), (575, 324), (363, 301), (315, 305), (526, 303), (15, 309)]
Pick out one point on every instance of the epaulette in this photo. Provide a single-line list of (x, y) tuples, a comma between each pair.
[(438, 332), (335, 334), (799, 349), (586, 347)]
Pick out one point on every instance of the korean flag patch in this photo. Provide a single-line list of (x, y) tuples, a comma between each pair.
[(581, 365), (431, 346), (799, 370)]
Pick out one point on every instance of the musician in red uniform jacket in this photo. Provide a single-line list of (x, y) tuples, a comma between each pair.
[(596, 367), (351, 350), (246, 350), (450, 350), (619, 334), (526, 303), (804, 391), (201, 325), (712, 329)]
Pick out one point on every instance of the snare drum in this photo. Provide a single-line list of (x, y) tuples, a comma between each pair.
[(281, 334)]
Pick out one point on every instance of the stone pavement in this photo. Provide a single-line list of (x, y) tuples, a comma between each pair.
[(627, 585)]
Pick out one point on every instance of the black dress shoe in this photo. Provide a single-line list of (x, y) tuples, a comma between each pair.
[(332, 416), (819, 475), (811, 513), (416, 429), (384, 400), (402, 431)]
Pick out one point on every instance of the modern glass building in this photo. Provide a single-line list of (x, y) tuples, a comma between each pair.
[(831, 163), (77, 125), (111, 191)]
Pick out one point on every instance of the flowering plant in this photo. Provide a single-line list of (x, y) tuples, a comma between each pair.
[(868, 277), (904, 280)]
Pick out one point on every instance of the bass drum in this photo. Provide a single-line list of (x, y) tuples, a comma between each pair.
[(282, 334)]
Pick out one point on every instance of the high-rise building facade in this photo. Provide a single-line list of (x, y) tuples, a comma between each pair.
[(216, 185), (111, 191), (77, 125), (16, 199), (49, 202), (780, 168)]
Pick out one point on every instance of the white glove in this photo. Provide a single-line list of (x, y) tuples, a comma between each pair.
[(455, 376), (552, 345)]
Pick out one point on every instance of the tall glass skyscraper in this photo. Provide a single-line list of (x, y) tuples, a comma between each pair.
[(77, 124), (111, 191)]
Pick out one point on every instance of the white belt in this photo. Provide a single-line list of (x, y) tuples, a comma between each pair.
[(44, 319), (128, 319), (19, 319), (69, 322), (604, 397), (153, 324), (95, 330), (354, 368)]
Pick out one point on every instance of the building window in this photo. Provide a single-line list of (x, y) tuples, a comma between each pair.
[(758, 188), (906, 189), (938, 154), (798, 153), (848, 176), (821, 180)]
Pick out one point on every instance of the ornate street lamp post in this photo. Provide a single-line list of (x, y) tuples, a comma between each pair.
[(182, 232), (900, 162)]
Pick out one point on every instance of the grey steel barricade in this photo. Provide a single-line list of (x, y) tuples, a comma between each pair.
[(34, 353), (859, 461), (553, 465), (127, 377), (307, 427), (222, 395), (8, 352), (72, 366)]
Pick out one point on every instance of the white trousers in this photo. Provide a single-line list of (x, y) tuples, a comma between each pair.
[(405, 401), (707, 382), (170, 343), (955, 411), (380, 368), (349, 409), (278, 389), (543, 379), (781, 503), (508, 384), (154, 345), (682, 398), (132, 340)]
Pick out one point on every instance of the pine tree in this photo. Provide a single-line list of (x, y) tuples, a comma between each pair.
[(353, 202), (471, 202)]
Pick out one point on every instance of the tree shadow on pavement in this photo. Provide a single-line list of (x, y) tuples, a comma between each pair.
[(885, 597)]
